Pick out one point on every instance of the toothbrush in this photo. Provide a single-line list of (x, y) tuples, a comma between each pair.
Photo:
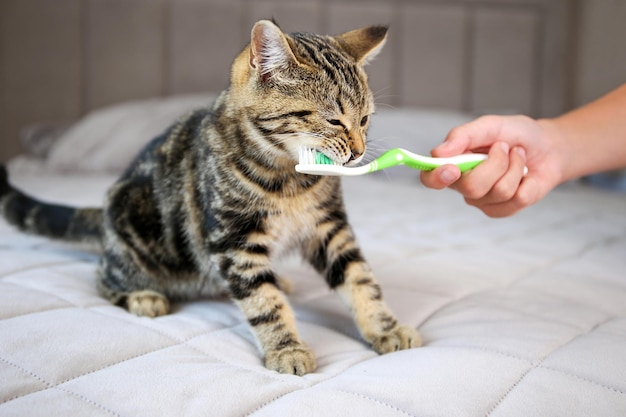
[(316, 163)]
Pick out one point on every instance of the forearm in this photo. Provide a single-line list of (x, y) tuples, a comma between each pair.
[(592, 138)]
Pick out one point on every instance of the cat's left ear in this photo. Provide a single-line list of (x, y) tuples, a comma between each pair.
[(269, 50), (363, 44)]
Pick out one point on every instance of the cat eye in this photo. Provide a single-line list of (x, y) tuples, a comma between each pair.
[(335, 122), (364, 120)]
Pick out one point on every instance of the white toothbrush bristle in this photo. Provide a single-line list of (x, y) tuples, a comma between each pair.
[(306, 155), (310, 156), (313, 162)]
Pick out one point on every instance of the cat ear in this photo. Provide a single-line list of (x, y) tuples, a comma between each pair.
[(269, 50), (363, 44)]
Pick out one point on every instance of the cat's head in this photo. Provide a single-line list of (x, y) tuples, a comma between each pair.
[(310, 90)]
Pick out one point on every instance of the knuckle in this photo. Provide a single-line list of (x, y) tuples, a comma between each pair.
[(472, 191), (486, 119), (502, 192), (492, 213), (523, 199), (474, 203)]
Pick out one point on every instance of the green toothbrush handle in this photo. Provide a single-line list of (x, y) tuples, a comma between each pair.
[(399, 156)]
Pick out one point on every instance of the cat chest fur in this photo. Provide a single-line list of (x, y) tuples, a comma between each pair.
[(292, 223)]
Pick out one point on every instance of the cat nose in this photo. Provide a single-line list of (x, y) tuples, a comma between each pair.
[(357, 147), (354, 155)]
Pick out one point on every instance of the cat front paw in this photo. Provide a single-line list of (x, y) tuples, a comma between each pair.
[(147, 303), (399, 338), (294, 360)]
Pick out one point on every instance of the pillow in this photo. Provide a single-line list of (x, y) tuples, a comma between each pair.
[(37, 139), (107, 140)]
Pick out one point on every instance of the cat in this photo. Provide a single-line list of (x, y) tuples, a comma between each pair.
[(206, 206)]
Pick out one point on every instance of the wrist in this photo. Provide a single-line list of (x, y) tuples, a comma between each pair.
[(558, 151)]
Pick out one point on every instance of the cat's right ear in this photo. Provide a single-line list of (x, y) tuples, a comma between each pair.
[(270, 53), (364, 44)]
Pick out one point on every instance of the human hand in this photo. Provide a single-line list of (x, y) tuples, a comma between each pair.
[(498, 186)]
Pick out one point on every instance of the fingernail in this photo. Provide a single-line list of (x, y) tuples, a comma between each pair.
[(505, 147), (520, 151), (447, 176)]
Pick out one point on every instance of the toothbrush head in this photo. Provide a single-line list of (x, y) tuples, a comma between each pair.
[(322, 159), (310, 156), (314, 162)]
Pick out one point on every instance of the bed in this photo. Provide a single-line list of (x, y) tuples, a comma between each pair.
[(524, 316)]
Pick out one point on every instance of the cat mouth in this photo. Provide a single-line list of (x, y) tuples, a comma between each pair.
[(354, 161), (329, 157), (335, 159), (341, 161)]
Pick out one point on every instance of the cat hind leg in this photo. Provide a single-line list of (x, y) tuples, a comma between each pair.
[(147, 303), (124, 289)]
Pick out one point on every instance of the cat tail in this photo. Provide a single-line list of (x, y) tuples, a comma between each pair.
[(50, 220)]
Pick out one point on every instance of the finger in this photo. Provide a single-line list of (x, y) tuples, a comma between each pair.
[(478, 182), (529, 192), (479, 133), (500, 210), (506, 209), (506, 187), (440, 177)]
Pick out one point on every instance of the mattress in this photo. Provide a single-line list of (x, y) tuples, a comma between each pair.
[(524, 316)]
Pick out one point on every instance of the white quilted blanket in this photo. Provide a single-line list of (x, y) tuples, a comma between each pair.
[(521, 317)]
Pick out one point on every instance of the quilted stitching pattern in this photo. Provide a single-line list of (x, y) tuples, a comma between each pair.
[(521, 316)]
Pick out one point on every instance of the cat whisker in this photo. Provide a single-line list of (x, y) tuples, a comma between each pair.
[(379, 96), (386, 105), (313, 134)]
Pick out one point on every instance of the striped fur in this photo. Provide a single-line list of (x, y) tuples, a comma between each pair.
[(206, 206), (50, 220)]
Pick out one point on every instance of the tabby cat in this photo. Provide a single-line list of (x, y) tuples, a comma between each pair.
[(208, 204)]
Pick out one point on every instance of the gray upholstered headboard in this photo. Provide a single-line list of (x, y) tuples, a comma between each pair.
[(62, 58)]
